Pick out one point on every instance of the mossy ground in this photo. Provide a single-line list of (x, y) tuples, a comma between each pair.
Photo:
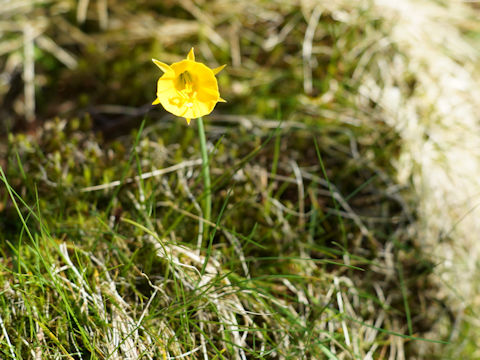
[(289, 243), (311, 252)]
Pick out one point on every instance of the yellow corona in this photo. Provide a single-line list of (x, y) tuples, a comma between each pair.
[(188, 88)]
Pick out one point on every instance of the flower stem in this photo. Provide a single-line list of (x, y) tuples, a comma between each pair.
[(207, 199)]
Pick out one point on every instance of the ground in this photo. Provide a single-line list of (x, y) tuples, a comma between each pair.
[(315, 248)]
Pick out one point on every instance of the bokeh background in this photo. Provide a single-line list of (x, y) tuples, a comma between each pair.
[(345, 166)]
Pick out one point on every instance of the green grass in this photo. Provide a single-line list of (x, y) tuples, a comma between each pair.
[(104, 273)]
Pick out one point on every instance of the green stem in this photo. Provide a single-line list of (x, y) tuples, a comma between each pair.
[(207, 199)]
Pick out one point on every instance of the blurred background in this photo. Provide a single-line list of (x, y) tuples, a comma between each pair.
[(389, 90)]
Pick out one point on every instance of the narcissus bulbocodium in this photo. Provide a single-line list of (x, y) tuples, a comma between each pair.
[(188, 88)]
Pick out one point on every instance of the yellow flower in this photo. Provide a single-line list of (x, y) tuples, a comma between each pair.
[(188, 88)]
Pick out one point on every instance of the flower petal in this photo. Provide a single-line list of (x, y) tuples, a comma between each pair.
[(191, 55), (218, 69), (156, 102), (164, 67)]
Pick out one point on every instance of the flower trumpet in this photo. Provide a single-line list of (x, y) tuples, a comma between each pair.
[(188, 88)]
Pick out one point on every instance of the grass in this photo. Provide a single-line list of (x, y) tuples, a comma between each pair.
[(119, 271), (314, 249)]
